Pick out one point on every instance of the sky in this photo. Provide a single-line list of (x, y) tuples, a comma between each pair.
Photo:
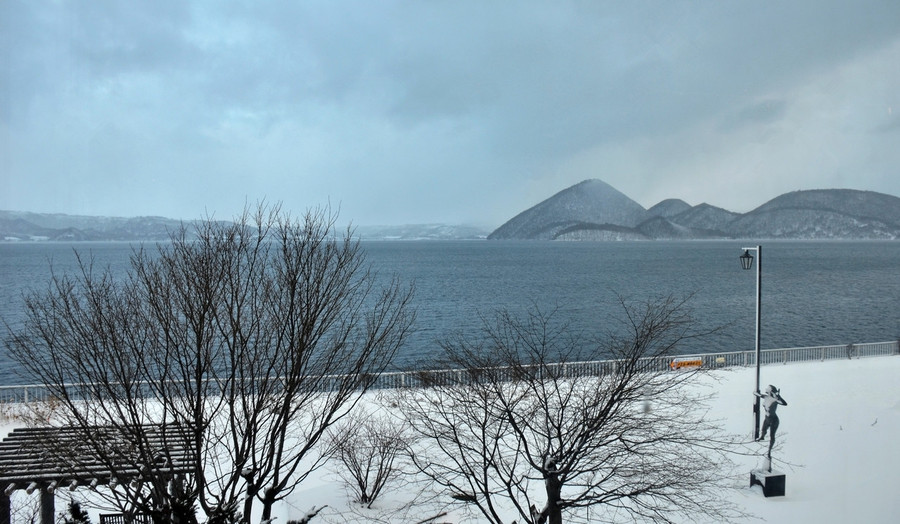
[(413, 112)]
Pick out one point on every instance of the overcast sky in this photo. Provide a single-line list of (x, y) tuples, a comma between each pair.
[(455, 112)]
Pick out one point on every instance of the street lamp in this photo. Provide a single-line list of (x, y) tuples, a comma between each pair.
[(747, 263)]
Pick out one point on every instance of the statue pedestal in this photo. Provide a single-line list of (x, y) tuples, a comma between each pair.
[(772, 482)]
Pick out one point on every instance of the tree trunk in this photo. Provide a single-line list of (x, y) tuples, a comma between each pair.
[(554, 489), (552, 513), (248, 504), (268, 501)]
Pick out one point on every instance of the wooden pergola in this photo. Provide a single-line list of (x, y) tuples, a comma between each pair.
[(49, 459)]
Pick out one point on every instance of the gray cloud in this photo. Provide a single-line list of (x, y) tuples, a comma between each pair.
[(890, 125), (755, 113), (423, 112)]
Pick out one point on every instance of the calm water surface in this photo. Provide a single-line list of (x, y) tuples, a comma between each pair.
[(814, 293)]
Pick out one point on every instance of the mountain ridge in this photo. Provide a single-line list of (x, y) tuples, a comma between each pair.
[(807, 214), (588, 210)]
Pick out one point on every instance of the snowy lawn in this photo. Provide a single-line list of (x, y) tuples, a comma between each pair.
[(839, 447)]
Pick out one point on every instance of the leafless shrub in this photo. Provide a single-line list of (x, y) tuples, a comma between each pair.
[(369, 448)]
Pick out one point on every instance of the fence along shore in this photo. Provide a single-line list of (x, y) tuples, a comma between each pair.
[(423, 378)]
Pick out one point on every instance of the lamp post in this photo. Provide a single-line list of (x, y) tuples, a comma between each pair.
[(747, 263)]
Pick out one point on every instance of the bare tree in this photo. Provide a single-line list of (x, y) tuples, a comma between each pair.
[(368, 448), (249, 338), (517, 433)]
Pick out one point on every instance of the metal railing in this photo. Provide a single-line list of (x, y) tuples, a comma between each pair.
[(424, 378)]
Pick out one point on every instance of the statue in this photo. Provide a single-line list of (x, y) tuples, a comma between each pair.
[(770, 400), (771, 482)]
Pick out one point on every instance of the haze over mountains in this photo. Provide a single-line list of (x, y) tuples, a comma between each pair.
[(589, 210)]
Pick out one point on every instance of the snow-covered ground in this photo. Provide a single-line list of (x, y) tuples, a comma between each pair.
[(840, 431), (839, 434), (840, 447)]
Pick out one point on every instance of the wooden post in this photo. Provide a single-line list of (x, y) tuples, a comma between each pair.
[(48, 509), (4, 508)]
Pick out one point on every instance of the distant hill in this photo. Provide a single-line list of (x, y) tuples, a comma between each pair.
[(26, 226), (422, 232), (19, 225), (594, 210)]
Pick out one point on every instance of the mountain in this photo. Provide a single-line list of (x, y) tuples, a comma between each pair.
[(662, 228), (591, 208), (705, 216), (832, 213), (668, 208), (594, 210)]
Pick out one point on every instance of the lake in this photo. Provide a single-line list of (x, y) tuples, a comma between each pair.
[(813, 292)]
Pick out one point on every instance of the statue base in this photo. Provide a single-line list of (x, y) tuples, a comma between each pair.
[(772, 482)]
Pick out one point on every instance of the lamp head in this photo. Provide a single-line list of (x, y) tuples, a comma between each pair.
[(746, 259)]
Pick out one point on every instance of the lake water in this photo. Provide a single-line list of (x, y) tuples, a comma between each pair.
[(813, 293)]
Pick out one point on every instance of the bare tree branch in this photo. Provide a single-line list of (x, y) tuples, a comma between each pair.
[(517, 434), (252, 336)]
